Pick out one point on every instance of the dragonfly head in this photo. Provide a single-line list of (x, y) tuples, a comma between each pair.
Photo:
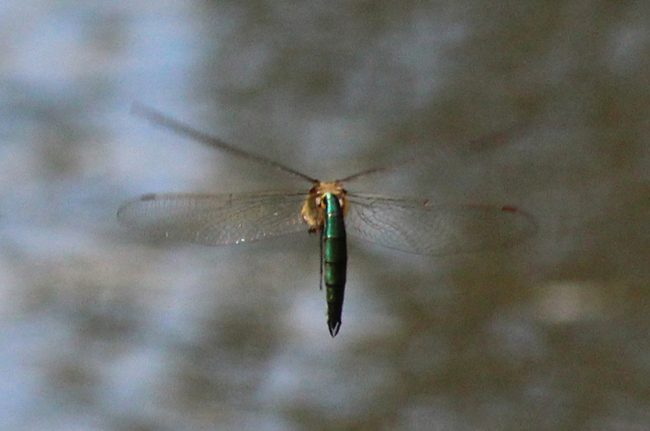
[(314, 211)]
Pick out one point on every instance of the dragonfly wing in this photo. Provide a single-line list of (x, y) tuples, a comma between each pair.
[(214, 219), (416, 226)]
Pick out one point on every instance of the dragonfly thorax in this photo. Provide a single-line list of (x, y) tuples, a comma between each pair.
[(314, 210)]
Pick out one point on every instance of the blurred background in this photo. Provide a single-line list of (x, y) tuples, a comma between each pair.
[(539, 105)]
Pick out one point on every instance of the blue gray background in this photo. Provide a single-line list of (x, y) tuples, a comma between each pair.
[(103, 332)]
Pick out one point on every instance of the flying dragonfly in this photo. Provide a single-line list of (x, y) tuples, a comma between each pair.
[(413, 225)]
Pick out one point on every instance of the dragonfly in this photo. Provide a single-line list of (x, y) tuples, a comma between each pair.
[(413, 225)]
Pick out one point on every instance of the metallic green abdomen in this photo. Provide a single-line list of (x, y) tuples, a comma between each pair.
[(335, 259)]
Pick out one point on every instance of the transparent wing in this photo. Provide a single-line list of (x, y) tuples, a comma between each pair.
[(416, 226), (214, 219)]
